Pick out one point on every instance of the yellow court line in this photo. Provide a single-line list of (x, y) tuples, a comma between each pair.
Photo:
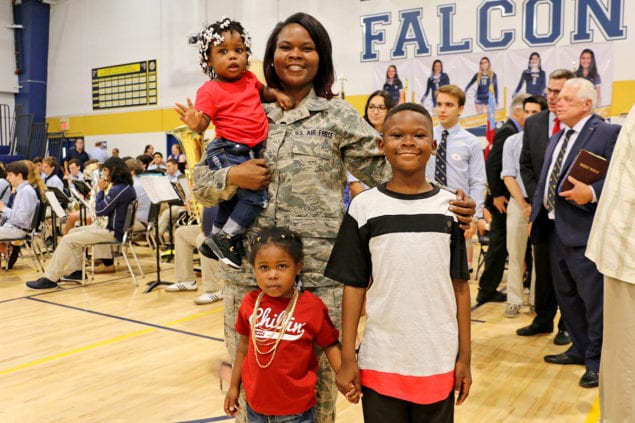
[(105, 342), (594, 414), (76, 351), (195, 316)]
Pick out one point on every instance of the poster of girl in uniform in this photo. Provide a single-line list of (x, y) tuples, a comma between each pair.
[(394, 77), (430, 74), (533, 80), (527, 71), (476, 74), (594, 63)]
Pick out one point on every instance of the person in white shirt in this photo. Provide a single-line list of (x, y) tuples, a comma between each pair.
[(518, 210), (98, 152)]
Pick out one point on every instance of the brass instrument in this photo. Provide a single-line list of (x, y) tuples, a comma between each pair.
[(99, 221), (193, 147)]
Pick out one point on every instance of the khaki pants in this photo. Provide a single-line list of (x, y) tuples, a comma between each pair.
[(617, 367), (516, 247), (186, 238), (67, 257), (326, 388)]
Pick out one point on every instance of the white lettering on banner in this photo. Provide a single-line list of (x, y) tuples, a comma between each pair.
[(494, 30)]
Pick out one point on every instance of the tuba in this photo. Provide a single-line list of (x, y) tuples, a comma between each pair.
[(193, 147)]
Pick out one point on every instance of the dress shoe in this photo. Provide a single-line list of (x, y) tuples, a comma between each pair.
[(41, 283), (532, 330), (562, 338), (496, 297), (563, 358), (590, 379)]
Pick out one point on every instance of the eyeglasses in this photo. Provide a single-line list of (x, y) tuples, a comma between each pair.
[(374, 108)]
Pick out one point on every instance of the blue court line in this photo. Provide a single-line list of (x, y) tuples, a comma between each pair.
[(211, 419), (125, 319)]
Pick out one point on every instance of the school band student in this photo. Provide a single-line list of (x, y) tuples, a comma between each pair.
[(114, 204)]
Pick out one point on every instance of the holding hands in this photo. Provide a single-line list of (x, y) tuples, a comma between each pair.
[(347, 380)]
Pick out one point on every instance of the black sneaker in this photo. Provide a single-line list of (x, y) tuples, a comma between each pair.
[(235, 253), (228, 249), (41, 283), (76, 276), (207, 250)]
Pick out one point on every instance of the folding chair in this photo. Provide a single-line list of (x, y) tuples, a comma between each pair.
[(483, 241), (126, 241), (29, 238)]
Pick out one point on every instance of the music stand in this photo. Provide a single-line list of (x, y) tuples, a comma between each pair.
[(82, 187), (63, 201), (83, 204), (159, 190)]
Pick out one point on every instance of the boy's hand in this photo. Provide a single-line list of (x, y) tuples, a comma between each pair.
[(464, 208), (462, 381), (347, 380), (232, 408)]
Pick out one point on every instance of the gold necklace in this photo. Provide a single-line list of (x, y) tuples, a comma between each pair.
[(284, 324)]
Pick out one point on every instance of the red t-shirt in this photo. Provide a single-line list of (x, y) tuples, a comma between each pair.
[(235, 109), (287, 386)]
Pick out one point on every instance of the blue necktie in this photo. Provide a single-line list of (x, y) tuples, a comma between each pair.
[(440, 173)]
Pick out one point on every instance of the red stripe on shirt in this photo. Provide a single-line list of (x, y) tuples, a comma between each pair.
[(417, 389)]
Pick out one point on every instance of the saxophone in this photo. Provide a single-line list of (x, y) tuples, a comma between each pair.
[(193, 146)]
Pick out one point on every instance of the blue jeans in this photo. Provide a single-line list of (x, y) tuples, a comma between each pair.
[(246, 205), (306, 417)]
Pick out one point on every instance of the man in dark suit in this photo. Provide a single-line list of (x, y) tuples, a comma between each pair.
[(538, 129), (497, 198), (564, 219)]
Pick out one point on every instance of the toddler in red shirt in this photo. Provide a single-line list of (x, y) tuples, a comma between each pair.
[(231, 100)]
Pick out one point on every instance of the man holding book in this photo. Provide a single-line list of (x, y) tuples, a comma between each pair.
[(564, 218)]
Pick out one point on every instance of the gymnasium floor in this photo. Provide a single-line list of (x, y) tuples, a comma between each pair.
[(108, 352)]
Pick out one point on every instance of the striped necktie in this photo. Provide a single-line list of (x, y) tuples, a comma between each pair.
[(555, 172), (440, 174)]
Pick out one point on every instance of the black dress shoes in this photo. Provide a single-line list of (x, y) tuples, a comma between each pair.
[(562, 338), (563, 358), (496, 297), (532, 330), (590, 379)]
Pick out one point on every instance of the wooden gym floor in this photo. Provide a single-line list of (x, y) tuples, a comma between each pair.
[(108, 352)]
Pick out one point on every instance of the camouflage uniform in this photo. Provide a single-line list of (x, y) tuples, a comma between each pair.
[(308, 150)]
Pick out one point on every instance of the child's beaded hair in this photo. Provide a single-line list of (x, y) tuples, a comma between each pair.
[(213, 35), (284, 238)]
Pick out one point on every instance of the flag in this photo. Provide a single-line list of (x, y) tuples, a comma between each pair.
[(490, 128)]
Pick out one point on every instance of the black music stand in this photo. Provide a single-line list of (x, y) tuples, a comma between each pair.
[(81, 191), (159, 190), (63, 201)]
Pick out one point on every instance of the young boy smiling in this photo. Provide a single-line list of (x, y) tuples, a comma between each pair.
[(402, 236)]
